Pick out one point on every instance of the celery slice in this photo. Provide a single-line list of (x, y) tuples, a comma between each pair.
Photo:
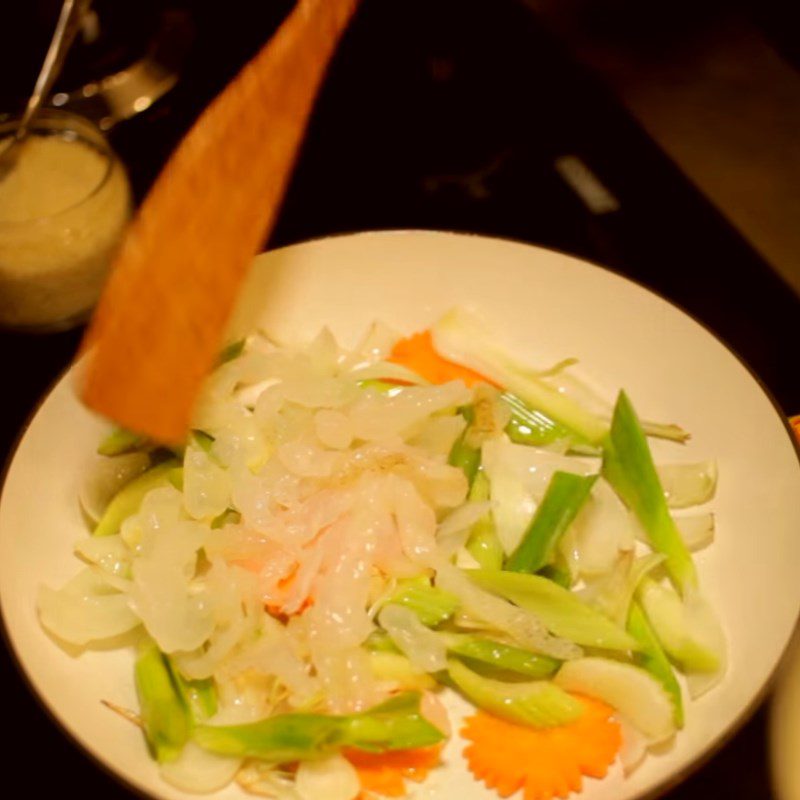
[(127, 501), (198, 696), (500, 656), (465, 456), (459, 337), (562, 612), (652, 658), (687, 628), (483, 543), (628, 466), (120, 441), (566, 493), (396, 724), (164, 716), (530, 426), (431, 604), (539, 704)]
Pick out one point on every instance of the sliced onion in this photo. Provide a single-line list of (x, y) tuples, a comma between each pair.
[(106, 476), (200, 772), (423, 648), (332, 778), (633, 692), (85, 610), (688, 484)]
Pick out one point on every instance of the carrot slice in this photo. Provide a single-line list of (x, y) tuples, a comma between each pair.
[(386, 773), (545, 763), (419, 355)]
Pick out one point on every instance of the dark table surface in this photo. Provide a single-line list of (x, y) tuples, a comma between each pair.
[(450, 115)]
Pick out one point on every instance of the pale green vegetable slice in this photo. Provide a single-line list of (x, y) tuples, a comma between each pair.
[(130, 497), (165, 719), (395, 667), (628, 466), (539, 704), (653, 659), (562, 611), (687, 485), (637, 695), (688, 630), (500, 656), (461, 338), (483, 543)]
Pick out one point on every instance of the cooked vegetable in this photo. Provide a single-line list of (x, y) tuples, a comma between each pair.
[(637, 695), (121, 440), (396, 724), (459, 337), (431, 605), (500, 656), (539, 704), (628, 466), (351, 530), (651, 657), (543, 762), (483, 544), (164, 716), (128, 500), (566, 493), (561, 611)]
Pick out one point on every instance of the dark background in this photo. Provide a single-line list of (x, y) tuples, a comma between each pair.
[(443, 114)]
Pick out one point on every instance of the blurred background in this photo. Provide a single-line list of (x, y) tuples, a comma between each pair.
[(660, 139)]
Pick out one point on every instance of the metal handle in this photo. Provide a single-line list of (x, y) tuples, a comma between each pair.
[(69, 21)]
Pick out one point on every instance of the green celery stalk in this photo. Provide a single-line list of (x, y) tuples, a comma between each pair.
[(566, 493), (431, 604), (652, 658), (538, 704), (164, 716), (483, 543), (562, 612), (687, 628), (120, 441), (628, 466), (530, 426), (465, 456), (380, 642), (458, 337), (500, 656), (396, 724), (199, 697), (558, 573), (127, 501)]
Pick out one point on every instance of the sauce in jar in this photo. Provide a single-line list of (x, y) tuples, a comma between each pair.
[(63, 209)]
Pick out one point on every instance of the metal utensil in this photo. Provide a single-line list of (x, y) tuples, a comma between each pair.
[(69, 21)]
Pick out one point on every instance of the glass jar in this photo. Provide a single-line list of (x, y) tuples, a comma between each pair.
[(64, 206)]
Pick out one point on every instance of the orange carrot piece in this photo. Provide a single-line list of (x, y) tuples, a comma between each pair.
[(419, 355), (545, 763), (386, 773)]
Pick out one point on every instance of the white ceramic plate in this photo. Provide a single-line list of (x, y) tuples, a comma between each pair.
[(545, 306)]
